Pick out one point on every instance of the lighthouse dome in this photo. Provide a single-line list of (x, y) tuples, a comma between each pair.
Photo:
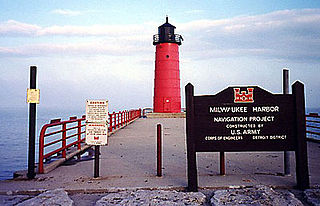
[(166, 34)]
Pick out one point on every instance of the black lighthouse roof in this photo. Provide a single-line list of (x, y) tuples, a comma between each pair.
[(167, 24), (166, 34)]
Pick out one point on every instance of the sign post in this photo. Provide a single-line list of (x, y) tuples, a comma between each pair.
[(159, 150), (96, 161), (285, 90), (96, 127), (191, 146), (246, 119), (32, 99), (302, 171)]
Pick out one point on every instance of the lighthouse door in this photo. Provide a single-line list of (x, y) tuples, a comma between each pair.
[(167, 104)]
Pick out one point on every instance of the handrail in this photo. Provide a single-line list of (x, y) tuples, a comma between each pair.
[(313, 127), (63, 138)]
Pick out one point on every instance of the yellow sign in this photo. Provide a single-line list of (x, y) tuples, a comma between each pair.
[(33, 96)]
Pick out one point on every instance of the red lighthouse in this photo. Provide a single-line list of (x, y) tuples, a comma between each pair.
[(167, 98)]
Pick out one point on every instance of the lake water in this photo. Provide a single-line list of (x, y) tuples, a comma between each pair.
[(14, 128), (14, 135)]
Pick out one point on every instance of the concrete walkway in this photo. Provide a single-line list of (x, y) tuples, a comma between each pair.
[(129, 161)]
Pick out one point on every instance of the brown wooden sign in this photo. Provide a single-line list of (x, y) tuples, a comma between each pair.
[(246, 119)]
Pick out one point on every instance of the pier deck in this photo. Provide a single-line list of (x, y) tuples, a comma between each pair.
[(129, 161)]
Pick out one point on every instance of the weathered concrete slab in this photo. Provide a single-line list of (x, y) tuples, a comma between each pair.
[(10, 199), (49, 198), (157, 197), (312, 196), (257, 195)]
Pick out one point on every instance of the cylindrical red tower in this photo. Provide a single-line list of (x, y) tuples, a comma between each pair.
[(167, 98)]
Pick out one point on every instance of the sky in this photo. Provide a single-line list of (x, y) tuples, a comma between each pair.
[(103, 49)]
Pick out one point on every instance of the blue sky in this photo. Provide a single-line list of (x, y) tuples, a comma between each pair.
[(103, 49)]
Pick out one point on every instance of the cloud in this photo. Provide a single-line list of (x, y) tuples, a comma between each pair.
[(68, 12), (15, 28), (287, 34), (94, 30), (77, 49)]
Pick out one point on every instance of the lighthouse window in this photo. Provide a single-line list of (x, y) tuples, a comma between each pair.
[(167, 56)]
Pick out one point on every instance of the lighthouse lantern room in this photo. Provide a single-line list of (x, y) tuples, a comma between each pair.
[(167, 97)]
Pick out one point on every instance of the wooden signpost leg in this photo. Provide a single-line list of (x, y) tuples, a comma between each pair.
[(285, 90), (96, 161), (191, 147), (301, 143)]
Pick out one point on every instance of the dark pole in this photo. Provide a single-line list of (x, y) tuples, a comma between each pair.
[(32, 126), (302, 171), (96, 160), (191, 145), (222, 164), (285, 89), (159, 151)]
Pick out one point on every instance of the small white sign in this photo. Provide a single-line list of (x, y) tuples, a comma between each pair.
[(96, 134), (97, 111)]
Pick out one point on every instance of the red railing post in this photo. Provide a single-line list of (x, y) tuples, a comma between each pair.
[(41, 150), (79, 135), (64, 141), (110, 122), (122, 118), (118, 120), (115, 120), (79, 138), (129, 112)]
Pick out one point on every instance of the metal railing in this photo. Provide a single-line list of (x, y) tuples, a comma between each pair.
[(58, 137), (313, 127), (176, 38), (119, 119)]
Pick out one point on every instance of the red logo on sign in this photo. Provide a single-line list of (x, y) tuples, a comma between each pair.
[(96, 138), (243, 96)]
